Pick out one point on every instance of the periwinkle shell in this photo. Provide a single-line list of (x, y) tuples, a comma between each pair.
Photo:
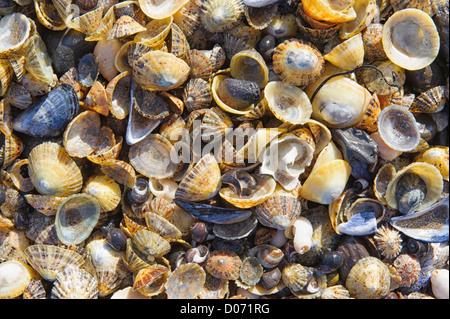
[(51, 115)]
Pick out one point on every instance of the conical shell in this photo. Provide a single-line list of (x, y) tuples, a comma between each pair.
[(220, 15), (161, 10), (74, 283), (347, 55), (105, 190), (52, 170), (185, 282), (125, 26), (44, 204), (49, 260)]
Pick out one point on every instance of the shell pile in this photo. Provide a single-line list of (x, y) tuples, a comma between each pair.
[(217, 149)]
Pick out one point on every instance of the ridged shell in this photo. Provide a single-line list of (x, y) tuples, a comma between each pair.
[(201, 182), (74, 283), (235, 230), (373, 44), (49, 260), (431, 101), (260, 18), (14, 278), (220, 15), (185, 282), (96, 99), (34, 290), (369, 278), (105, 190), (438, 157), (251, 271), (81, 135), (330, 12), (304, 282), (150, 243), (297, 63), (44, 204), (122, 172), (150, 281), (411, 39), (365, 13), (161, 226), (278, 212), (76, 217), (52, 171), (224, 265), (158, 70), (348, 54), (125, 26), (197, 94), (155, 33)]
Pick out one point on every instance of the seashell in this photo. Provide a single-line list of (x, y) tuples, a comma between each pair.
[(369, 278), (185, 282), (188, 17), (12, 149), (337, 110), (48, 16), (235, 230), (155, 32), (436, 156), (81, 135), (408, 268), (213, 214), (163, 187), (161, 226), (197, 254), (105, 190), (150, 150), (138, 193), (34, 290), (14, 278), (282, 26), (287, 102), (264, 188), (44, 204), (297, 63), (237, 94), (425, 6), (197, 94), (74, 283), (430, 101), (150, 243), (314, 30), (96, 99), (50, 116), (259, 3), (271, 279), (88, 69), (335, 292), (221, 15), (106, 51), (120, 171), (38, 61), (52, 171), (201, 182), (87, 23), (18, 96), (358, 149), (330, 11), (223, 264), (152, 73), (13, 243), (118, 95), (439, 283), (149, 104), (303, 282), (278, 212), (21, 27), (134, 259), (269, 256), (178, 43), (259, 18), (414, 187), (251, 271), (410, 24), (323, 190), (125, 26), (156, 10), (117, 239), (49, 260), (388, 241), (417, 225), (108, 148), (150, 281), (249, 65), (391, 73), (293, 155), (347, 55), (76, 217), (365, 10), (369, 121), (301, 232), (372, 37)]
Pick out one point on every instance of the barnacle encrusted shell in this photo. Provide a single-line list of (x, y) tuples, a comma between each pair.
[(76, 217), (408, 268), (49, 260), (297, 63), (411, 39), (19, 28), (52, 170), (185, 282), (369, 278)]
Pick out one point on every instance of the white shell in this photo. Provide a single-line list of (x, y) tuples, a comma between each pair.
[(303, 231), (439, 283)]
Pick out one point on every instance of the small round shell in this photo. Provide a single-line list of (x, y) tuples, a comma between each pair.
[(408, 268), (221, 15), (74, 283), (369, 278), (223, 264), (388, 242), (297, 63), (76, 217), (411, 39), (249, 65), (52, 170), (161, 10), (439, 283), (251, 271), (185, 282)]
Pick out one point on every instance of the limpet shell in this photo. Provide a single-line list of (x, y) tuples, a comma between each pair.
[(161, 10), (436, 156), (223, 264), (14, 278), (150, 281), (185, 282), (74, 283)]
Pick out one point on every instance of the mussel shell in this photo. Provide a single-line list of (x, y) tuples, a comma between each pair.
[(213, 214), (428, 225), (88, 69), (50, 116), (76, 217)]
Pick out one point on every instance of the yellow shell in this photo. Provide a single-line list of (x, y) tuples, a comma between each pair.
[(214, 89), (392, 73), (44, 204), (155, 32), (365, 12), (88, 22), (298, 63), (125, 26), (161, 9), (96, 99), (118, 94), (158, 70), (52, 170), (249, 65), (330, 10), (122, 172), (411, 39), (105, 190), (150, 243), (436, 156), (150, 281), (347, 55)]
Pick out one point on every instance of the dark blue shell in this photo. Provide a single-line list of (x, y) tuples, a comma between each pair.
[(213, 214), (51, 115)]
